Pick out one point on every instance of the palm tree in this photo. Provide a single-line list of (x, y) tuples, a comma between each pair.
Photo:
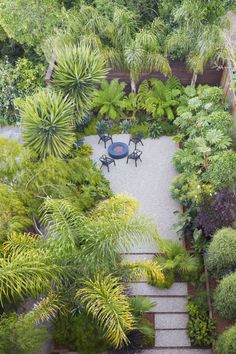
[(142, 55), (109, 99), (200, 36), (104, 298), (110, 229), (78, 71), (118, 40), (47, 124)]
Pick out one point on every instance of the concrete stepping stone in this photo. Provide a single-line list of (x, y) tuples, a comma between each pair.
[(177, 289), (138, 257), (171, 321), (147, 245), (169, 304), (172, 338), (176, 351)]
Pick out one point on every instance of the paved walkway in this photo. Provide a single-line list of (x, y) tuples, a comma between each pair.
[(149, 183), (10, 132)]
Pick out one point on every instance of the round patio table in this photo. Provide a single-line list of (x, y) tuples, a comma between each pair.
[(118, 150)]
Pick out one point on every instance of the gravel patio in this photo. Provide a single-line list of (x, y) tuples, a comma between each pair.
[(149, 182)]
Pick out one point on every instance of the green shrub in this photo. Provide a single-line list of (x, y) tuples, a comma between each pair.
[(167, 128), (225, 297), (188, 189), (20, 335), (13, 213), (81, 333), (200, 328), (154, 130), (76, 179), (222, 170), (140, 129), (9, 92), (125, 126), (85, 150), (85, 122), (17, 81), (226, 343), (222, 252), (102, 127), (91, 127)]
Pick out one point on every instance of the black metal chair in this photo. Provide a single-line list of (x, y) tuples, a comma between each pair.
[(105, 138), (106, 161), (135, 155), (136, 140)]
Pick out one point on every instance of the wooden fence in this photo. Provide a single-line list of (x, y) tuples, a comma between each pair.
[(211, 76), (227, 85)]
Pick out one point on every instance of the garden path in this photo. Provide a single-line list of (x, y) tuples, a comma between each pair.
[(150, 183), (11, 132)]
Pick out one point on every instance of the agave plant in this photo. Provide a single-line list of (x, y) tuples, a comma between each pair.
[(78, 71), (47, 124), (109, 99)]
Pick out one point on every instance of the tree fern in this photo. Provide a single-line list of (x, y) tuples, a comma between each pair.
[(161, 99), (109, 99)]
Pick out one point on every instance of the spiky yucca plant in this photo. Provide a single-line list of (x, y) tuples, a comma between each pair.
[(77, 73), (104, 299), (47, 124)]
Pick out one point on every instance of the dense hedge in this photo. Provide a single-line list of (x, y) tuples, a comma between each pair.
[(222, 252)]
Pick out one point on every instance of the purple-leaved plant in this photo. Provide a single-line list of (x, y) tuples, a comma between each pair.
[(217, 212)]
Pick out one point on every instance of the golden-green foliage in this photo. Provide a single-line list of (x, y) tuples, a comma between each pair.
[(104, 298)]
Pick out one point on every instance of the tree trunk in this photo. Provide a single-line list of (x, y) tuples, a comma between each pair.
[(194, 79), (133, 86)]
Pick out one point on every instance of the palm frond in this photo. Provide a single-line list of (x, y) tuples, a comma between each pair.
[(149, 270), (104, 299), (21, 242), (47, 308), (147, 40), (28, 273), (124, 22), (113, 228), (157, 62), (63, 222), (141, 304)]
